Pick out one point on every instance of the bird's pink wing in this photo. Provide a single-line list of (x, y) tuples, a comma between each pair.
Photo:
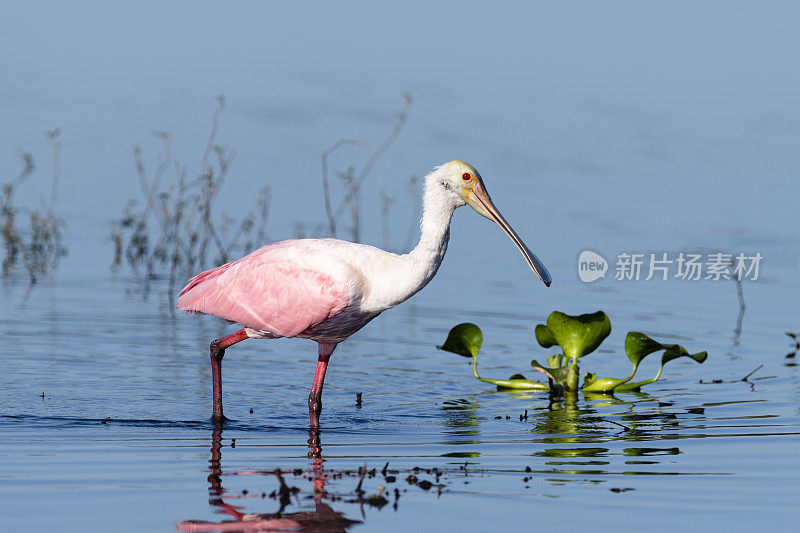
[(274, 289)]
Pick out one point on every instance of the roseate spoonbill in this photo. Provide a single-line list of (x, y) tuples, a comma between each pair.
[(326, 289)]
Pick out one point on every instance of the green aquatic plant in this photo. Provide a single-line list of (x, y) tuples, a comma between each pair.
[(638, 346), (466, 340), (576, 336)]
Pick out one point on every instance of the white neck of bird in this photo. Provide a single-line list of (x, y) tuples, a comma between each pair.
[(423, 261), (437, 211), (409, 273)]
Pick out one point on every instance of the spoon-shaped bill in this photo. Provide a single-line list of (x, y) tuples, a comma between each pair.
[(480, 201)]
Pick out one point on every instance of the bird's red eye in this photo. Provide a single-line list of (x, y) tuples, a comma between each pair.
[(466, 176)]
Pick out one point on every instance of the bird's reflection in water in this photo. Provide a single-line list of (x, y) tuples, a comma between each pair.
[(322, 519)]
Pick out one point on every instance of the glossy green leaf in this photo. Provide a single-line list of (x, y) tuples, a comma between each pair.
[(544, 337), (602, 384), (464, 339), (634, 386), (671, 352), (517, 384), (676, 350), (556, 360), (578, 335), (638, 346)]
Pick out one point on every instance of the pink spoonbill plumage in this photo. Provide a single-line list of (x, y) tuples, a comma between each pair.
[(327, 289)]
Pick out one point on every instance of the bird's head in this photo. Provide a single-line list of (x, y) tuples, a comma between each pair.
[(465, 183)]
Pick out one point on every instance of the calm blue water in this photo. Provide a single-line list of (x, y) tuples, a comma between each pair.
[(613, 127)]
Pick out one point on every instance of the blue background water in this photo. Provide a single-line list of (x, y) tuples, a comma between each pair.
[(614, 126)]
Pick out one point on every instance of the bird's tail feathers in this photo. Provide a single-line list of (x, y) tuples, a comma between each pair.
[(204, 276)]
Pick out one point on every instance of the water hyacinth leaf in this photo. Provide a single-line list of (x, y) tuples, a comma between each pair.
[(602, 384), (517, 384), (638, 346), (635, 386), (556, 360), (464, 339), (700, 357), (578, 335), (544, 337), (676, 350), (671, 352)]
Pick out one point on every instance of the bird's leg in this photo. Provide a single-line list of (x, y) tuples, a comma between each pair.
[(315, 398), (217, 353)]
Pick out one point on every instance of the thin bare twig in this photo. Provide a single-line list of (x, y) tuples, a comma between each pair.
[(12, 241), (176, 232), (402, 117), (209, 192), (41, 253), (138, 244), (52, 136), (245, 226), (188, 221), (386, 205), (263, 205), (325, 187), (214, 128), (362, 471), (759, 367), (737, 332)]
